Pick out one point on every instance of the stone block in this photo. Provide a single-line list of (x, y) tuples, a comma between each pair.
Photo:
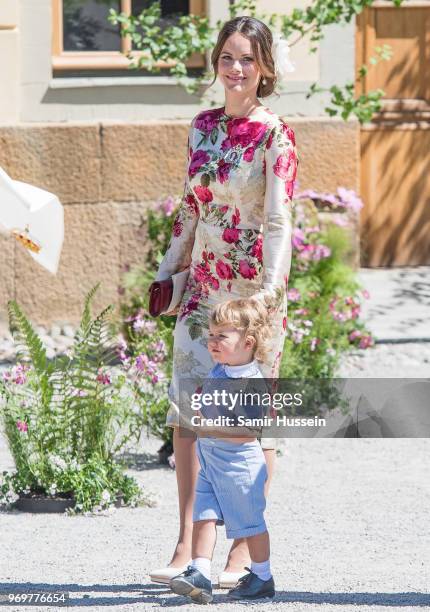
[(64, 159), (329, 153), (133, 238), (90, 255), (7, 274), (143, 161)]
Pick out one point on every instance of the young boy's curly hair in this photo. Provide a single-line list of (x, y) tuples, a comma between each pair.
[(249, 316)]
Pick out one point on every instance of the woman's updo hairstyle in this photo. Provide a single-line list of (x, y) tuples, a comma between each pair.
[(261, 42)]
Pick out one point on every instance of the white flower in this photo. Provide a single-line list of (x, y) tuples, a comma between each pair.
[(58, 462), (106, 496), (281, 56), (52, 489)]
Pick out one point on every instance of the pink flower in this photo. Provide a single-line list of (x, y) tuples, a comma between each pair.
[(235, 218), (248, 156), (22, 426), (201, 272), (257, 249), (281, 167), (294, 295), (208, 120), (365, 294), (231, 235), (103, 378), (168, 206), (198, 160), (349, 199), (298, 238), (191, 305), (246, 270), (177, 227), (213, 282), (223, 171), (203, 193), (314, 252), (223, 270), (314, 343), (302, 311), (356, 333), (284, 323), (289, 133), (244, 132), (365, 342), (192, 204)]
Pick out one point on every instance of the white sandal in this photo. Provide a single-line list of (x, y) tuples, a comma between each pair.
[(165, 574), (228, 580)]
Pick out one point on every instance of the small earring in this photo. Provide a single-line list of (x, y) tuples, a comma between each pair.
[(264, 82)]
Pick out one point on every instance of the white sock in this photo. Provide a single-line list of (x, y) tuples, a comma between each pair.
[(203, 565), (262, 569)]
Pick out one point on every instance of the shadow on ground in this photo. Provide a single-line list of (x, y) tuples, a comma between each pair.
[(152, 593)]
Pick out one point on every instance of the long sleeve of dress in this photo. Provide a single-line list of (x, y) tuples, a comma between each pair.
[(178, 254), (280, 169)]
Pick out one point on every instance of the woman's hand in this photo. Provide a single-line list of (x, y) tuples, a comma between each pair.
[(172, 313)]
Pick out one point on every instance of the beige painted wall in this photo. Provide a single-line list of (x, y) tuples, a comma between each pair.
[(106, 179), (99, 99), (9, 62)]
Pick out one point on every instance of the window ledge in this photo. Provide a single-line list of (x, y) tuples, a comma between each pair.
[(81, 82)]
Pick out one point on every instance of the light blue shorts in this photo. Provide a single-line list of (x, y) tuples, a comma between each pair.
[(230, 486)]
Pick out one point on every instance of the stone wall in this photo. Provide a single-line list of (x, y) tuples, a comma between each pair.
[(106, 175)]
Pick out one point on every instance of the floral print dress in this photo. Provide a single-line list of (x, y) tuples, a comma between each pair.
[(233, 229)]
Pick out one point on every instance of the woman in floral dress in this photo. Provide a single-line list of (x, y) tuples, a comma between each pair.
[(233, 230)]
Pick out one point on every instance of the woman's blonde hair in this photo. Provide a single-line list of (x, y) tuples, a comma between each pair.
[(249, 316), (261, 42)]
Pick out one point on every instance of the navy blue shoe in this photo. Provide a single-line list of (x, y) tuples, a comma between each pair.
[(252, 587), (193, 584)]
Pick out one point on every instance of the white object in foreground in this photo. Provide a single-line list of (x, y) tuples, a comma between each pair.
[(35, 218)]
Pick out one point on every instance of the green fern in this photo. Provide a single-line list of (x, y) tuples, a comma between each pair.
[(29, 345)]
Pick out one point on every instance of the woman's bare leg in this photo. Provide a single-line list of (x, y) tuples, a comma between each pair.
[(238, 556), (187, 468)]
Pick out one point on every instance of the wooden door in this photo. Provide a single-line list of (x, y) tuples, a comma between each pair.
[(395, 145)]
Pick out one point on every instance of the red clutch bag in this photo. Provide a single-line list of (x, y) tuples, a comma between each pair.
[(166, 295), (160, 296)]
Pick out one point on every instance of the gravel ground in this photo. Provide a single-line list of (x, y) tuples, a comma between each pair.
[(348, 520)]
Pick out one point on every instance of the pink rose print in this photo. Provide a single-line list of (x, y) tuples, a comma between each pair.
[(269, 141), (203, 193), (257, 249), (177, 227), (249, 154), (214, 282), (281, 167), (191, 305), (224, 209), (223, 171), (284, 323), (198, 159), (208, 120), (192, 204), (201, 272), (223, 270), (246, 270), (289, 133), (231, 234), (235, 218), (245, 133)]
